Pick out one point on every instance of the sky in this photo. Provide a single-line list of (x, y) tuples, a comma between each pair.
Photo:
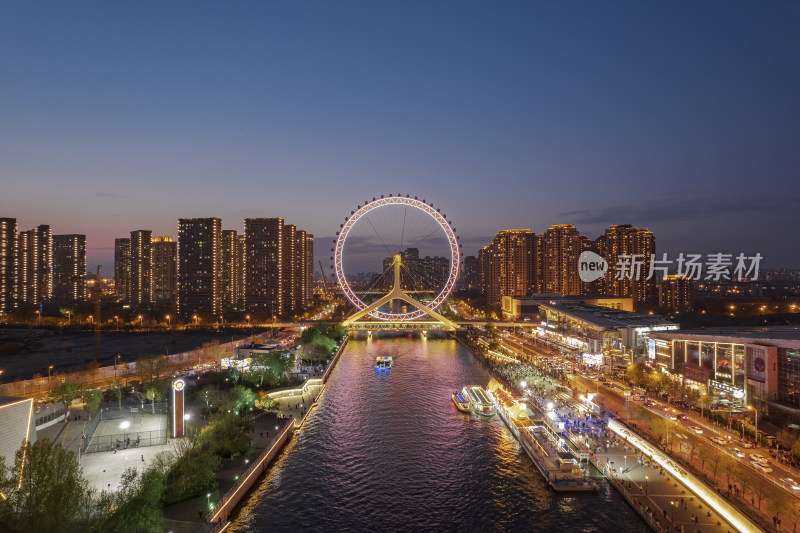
[(682, 117)]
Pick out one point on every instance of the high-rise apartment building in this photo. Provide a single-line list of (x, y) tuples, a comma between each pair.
[(264, 265), (141, 268), (470, 279), (304, 266), (676, 294), (122, 269), (164, 275), (230, 267), (241, 271), (35, 272), (199, 267), (69, 268), (508, 265), (308, 287), (290, 273), (625, 243), (8, 265), (561, 247)]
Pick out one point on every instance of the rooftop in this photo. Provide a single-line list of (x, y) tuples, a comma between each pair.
[(605, 317), (756, 333)]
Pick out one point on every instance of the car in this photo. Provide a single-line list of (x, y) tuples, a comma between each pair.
[(792, 484), (696, 430), (746, 445), (673, 417), (737, 452), (665, 409), (761, 468), (683, 417), (717, 440), (758, 458)]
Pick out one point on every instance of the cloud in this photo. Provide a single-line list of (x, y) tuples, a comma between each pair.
[(674, 210)]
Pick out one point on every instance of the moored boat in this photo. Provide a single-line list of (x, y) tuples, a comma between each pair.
[(480, 401), (461, 402)]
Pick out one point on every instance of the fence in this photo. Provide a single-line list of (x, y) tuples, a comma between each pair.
[(126, 439), (121, 441)]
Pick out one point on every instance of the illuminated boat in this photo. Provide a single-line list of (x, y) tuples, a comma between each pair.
[(462, 404), (480, 401), (383, 363)]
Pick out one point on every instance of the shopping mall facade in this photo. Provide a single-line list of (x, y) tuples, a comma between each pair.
[(756, 366)]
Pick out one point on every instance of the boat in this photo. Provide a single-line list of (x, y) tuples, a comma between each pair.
[(462, 404), (383, 363), (480, 401)]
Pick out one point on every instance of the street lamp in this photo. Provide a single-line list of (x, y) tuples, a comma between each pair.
[(195, 318), (48, 375), (38, 317), (755, 426), (140, 320), (91, 319), (124, 426), (169, 321), (523, 385), (117, 319), (248, 319), (115, 365), (208, 499), (646, 483)]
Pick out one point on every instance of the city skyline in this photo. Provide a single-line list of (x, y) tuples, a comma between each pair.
[(667, 117)]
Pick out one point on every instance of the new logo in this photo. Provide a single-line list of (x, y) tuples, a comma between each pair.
[(591, 266)]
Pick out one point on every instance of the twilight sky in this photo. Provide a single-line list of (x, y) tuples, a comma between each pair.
[(683, 117)]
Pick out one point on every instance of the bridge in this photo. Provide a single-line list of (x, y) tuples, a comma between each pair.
[(436, 322)]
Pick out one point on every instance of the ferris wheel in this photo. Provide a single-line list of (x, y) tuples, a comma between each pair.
[(387, 226)]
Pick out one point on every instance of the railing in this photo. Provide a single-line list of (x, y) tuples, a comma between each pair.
[(246, 480)]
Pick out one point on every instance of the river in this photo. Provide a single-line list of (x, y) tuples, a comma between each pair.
[(391, 453)]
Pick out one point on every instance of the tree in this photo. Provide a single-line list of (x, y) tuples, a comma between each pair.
[(117, 386), (153, 392), (778, 501), (241, 399), (796, 449), (729, 466), (715, 464), (635, 374), (705, 453), (760, 490), (209, 394), (43, 490), (266, 403), (137, 503), (92, 398), (227, 435), (64, 394), (704, 401), (743, 477)]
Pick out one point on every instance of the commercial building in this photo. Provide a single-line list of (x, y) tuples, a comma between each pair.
[(164, 264), (35, 271), (9, 264), (676, 294), (16, 419), (755, 366), (69, 268), (611, 337), (199, 267), (527, 307), (122, 268)]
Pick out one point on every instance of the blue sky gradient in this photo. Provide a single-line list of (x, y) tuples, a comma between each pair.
[(682, 117)]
